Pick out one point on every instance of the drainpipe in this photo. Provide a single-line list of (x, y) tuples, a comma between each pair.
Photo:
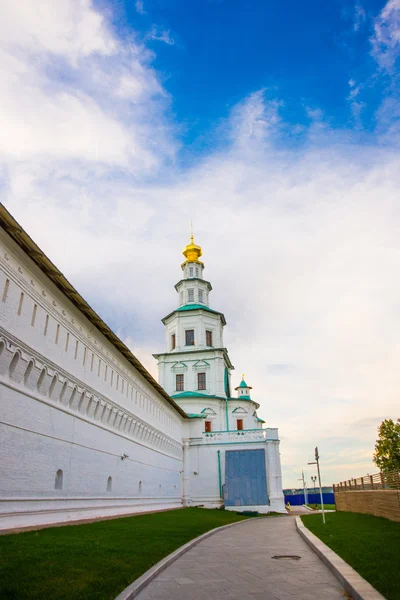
[(186, 499), (227, 415), (219, 472)]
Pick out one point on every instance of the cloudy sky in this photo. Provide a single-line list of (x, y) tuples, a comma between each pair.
[(275, 127)]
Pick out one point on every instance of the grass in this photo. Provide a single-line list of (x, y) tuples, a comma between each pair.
[(369, 544), (98, 560), (326, 506)]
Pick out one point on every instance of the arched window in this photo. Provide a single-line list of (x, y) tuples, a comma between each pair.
[(109, 484), (59, 480)]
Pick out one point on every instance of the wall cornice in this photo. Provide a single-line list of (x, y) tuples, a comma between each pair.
[(27, 371)]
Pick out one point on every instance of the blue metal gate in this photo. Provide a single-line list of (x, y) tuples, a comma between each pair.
[(245, 478)]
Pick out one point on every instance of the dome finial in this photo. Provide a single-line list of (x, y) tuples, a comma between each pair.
[(191, 233), (192, 252)]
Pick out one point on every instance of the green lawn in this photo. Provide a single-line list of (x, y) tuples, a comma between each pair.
[(96, 561), (326, 506), (369, 544)]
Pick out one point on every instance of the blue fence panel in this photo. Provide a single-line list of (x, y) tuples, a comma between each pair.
[(298, 499)]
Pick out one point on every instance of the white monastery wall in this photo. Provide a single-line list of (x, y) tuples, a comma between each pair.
[(70, 401)]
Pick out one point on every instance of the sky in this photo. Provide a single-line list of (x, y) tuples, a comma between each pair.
[(275, 128)]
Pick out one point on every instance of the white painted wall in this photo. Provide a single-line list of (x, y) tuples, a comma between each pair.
[(204, 469), (69, 400), (200, 321)]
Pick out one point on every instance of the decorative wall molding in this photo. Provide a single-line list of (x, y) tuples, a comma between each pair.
[(72, 322), (26, 370)]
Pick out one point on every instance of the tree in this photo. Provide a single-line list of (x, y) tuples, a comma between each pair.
[(387, 447)]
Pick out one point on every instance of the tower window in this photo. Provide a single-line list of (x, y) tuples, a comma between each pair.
[(191, 295), (201, 296), (239, 423), (201, 381), (190, 271), (179, 382), (209, 338), (173, 341), (189, 337), (197, 271), (207, 426)]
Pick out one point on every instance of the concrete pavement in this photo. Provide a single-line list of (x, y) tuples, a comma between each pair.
[(237, 564)]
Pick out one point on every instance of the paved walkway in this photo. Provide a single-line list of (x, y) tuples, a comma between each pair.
[(237, 564)]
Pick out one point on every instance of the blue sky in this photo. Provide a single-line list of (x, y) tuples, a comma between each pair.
[(218, 52), (276, 129)]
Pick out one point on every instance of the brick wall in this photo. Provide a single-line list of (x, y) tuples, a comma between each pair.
[(381, 503)]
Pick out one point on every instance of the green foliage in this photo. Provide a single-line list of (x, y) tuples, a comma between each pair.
[(98, 560), (387, 447), (369, 544)]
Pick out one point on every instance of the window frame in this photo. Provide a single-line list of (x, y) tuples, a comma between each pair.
[(208, 426), (200, 295), (190, 294), (209, 334), (179, 382), (239, 428), (202, 380), (173, 341), (192, 343)]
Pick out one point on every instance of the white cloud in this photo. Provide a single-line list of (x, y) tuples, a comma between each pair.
[(385, 40), (359, 17), (70, 90), (70, 28), (161, 35), (140, 7), (300, 243)]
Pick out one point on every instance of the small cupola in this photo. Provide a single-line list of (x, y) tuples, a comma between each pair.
[(243, 390)]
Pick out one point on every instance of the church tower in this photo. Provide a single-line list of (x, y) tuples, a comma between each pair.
[(228, 456), (195, 369)]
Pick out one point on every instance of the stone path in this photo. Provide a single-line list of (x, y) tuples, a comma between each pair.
[(237, 564)]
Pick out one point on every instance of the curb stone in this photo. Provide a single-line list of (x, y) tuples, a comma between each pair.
[(137, 586), (353, 583)]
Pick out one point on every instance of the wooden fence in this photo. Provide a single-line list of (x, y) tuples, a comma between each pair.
[(378, 481), (377, 494)]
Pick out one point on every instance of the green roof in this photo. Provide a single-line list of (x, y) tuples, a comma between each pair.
[(195, 416), (196, 395), (242, 385), (197, 307), (187, 307), (258, 419)]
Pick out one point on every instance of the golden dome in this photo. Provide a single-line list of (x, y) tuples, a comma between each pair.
[(192, 252)]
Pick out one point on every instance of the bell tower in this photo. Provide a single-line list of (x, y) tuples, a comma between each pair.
[(196, 364)]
